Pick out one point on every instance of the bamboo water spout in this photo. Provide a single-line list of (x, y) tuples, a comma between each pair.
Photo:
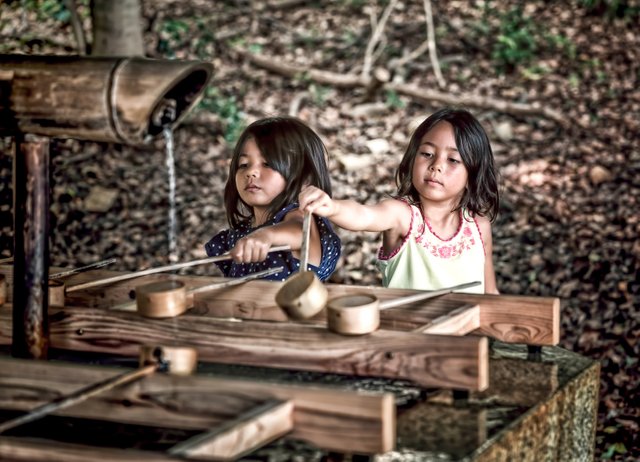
[(120, 100), (116, 99)]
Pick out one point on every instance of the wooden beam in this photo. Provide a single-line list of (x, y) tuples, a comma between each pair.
[(460, 321), (332, 419), (40, 450), (516, 318), (251, 430), (427, 360), (508, 318)]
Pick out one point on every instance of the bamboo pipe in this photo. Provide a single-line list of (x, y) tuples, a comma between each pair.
[(160, 269), (112, 99)]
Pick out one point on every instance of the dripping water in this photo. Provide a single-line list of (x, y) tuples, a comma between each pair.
[(173, 246)]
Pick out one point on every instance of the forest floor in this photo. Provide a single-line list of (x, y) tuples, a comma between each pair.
[(569, 162)]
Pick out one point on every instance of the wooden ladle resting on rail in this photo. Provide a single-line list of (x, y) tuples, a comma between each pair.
[(174, 360), (57, 289), (170, 298), (359, 314)]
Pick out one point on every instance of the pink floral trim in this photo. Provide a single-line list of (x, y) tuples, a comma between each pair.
[(462, 240), (484, 249), (381, 254)]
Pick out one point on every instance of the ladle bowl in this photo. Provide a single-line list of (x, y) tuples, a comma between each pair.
[(302, 296), (3, 289), (357, 314), (162, 299), (180, 360), (56, 292)]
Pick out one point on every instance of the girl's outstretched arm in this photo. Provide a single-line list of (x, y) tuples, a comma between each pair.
[(255, 246), (348, 214), (490, 286)]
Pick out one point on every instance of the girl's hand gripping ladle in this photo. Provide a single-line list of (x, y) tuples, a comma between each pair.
[(303, 295)]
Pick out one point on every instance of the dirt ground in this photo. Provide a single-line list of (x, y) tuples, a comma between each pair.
[(555, 86)]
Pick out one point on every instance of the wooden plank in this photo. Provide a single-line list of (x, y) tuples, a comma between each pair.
[(256, 300), (40, 450), (460, 321), (517, 319), (239, 436), (329, 418), (427, 360), (508, 318)]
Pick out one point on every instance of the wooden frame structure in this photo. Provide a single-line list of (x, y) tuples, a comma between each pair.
[(234, 416)]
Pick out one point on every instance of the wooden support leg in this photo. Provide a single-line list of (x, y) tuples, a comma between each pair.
[(31, 248)]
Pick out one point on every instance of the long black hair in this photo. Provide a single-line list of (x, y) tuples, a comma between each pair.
[(481, 196), (292, 149)]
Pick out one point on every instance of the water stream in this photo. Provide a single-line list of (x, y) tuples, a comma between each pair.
[(171, 169)]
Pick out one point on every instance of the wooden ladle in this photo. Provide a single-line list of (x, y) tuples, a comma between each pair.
[(57, 289), (359, 314), (303, 295), (170, 298), (159, 269), (175, 360)]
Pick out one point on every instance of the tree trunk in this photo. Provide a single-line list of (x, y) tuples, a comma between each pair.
[(117, 28)]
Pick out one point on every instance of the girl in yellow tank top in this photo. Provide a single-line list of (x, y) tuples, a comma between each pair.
[(436, 231)]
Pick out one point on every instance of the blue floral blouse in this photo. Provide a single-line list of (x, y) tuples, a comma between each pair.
[(225, 240)]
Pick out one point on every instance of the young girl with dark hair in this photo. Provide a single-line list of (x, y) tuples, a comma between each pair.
[(436, 232), (272, 161)]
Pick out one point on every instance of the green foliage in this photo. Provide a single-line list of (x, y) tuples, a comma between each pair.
[(611, 9), (48, 9), (519, 40), (319, 94), (516, 41), (227, 109), (616, 448), (393, 100), (171, 33)]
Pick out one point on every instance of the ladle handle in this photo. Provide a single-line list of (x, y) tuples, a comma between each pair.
[(131, 306), (96, 265), (304, 249), (235, 281), (79, 396), (424, 295), (160, 269)]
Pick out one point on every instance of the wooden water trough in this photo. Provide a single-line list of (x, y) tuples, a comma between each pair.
[(223, 418), (260, 334), (438, 344)]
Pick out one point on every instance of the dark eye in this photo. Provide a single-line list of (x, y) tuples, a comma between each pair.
[(243, 165), (426, 154), (454, 160)]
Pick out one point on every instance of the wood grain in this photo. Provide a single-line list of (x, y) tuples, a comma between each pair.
[(329, 418), (508, 318), (241, 435), (427, 360)]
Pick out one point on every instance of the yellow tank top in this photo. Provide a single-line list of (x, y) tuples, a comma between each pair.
[(424, 261)]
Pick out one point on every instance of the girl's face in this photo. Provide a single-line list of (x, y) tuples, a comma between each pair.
[(257, 183), (438, 171)]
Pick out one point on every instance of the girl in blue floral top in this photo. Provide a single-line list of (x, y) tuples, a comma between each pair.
[(273, 160)]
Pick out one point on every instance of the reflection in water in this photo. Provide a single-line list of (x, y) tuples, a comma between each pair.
[(173, 246)]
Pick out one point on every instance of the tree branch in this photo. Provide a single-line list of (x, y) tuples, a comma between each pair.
[(414, 92), (431, 40), (76, 24), (375, 38)]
